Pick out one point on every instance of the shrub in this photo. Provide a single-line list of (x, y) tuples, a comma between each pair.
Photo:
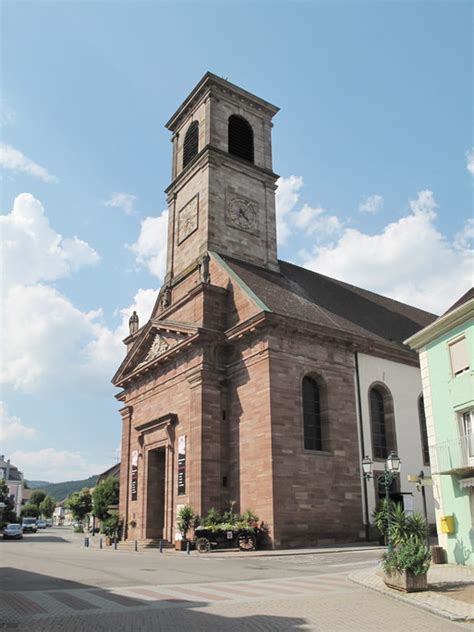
[(79, 529), (409, 556), (213, 518), (111, 526)]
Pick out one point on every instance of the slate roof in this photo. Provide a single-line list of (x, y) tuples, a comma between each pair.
[(300, 293), (464, 299)]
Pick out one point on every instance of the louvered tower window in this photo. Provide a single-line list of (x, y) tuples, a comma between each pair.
[(240, 138), (313, 435), (191, 143)]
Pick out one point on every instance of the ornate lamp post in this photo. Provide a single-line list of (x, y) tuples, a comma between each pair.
[(390, 473)]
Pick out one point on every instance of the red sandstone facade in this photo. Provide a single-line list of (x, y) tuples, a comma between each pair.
[(219, 366)]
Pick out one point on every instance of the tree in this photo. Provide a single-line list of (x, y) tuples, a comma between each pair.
[(80, 503), (30, 511), (47, 507), (104, 494), (37, 497), (8, 514)]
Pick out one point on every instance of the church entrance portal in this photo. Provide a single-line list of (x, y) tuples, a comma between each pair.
[(155, 514)]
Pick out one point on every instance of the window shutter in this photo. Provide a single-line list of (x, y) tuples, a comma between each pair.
[(459, 354)]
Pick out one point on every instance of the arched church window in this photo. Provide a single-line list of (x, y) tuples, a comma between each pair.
[(240, 138), (191, 143), (382, 421), (314, 435), (423, 431)]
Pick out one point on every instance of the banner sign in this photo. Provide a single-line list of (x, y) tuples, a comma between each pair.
[(181, 465), (134, 478)]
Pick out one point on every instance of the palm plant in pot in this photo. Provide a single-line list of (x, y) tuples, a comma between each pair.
[(186, 519), (407, 561)]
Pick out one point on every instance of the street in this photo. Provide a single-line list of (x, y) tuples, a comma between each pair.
[(50, 582)]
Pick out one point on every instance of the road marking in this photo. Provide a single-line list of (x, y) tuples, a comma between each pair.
[(21, 604), (71, 600), (55, 603)]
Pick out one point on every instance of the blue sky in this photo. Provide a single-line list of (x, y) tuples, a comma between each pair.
[(373, 143)]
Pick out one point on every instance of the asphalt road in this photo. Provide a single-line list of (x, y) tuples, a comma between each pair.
[(55, 559)]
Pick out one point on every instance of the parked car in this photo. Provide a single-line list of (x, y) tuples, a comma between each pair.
[(49, 522), (41, 524), (29, 525), (13, 531)]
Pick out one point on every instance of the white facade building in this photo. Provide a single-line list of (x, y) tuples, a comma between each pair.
[(401, 386)]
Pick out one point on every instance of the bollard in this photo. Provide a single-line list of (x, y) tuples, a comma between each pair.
[(115, 543), (100, 543), (188, 547), (161, 546), (85, 542), (136, 545)]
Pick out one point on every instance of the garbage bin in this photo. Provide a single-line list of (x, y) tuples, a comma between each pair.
[(437, 555)]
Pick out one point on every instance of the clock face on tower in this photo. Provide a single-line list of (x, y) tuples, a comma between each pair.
[(188, 219), (242, 213)]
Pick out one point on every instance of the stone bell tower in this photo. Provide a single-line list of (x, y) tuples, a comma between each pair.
[(222, 194)]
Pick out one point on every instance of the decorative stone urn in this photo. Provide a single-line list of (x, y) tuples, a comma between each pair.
[(407, 581)]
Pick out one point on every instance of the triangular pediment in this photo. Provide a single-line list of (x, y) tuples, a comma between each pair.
[(154, 341)]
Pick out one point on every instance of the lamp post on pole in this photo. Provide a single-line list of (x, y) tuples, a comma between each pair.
[(390, 473)]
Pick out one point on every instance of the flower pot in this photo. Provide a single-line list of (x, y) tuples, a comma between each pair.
[(407, 582), (180, 545)]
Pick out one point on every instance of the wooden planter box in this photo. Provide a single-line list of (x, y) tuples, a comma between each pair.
[(407, 582), (180, 545)]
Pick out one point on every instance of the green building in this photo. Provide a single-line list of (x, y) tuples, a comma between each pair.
[(446, 362)]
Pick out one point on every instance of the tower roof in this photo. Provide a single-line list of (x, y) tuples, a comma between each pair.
[(208, 82)]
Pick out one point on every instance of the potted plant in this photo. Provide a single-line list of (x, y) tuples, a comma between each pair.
[(111, 527), (406, 566), (186, 519)]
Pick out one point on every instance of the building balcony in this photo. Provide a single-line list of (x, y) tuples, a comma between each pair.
[(455, 456)]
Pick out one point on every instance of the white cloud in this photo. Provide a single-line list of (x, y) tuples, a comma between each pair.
[(371, 204), (465, 238), (14, 160), (313, 220), (32, 251), (150, 247), (12, 428), (55, 465), (470, 160), (409, 260), (287, 196), (123, 201)]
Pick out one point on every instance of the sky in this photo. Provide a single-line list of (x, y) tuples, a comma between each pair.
[(373, 146)]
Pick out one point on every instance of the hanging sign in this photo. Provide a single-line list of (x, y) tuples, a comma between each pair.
[(181, 465), (134, 477)]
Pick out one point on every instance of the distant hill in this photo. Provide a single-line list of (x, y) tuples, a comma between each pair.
[(37, 484), (60, 491)]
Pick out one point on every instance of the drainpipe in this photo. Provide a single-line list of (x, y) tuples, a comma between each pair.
[(362, 449)]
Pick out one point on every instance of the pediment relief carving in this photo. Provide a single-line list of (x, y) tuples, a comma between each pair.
[(160, 343)]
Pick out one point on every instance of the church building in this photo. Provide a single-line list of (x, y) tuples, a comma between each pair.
[(255, 380)]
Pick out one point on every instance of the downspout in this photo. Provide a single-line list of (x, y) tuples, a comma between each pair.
[(362, 449)]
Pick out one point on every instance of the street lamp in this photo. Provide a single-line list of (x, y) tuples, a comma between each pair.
[(390, 473)]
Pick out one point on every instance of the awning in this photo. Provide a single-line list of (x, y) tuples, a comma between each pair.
[(466, 482)]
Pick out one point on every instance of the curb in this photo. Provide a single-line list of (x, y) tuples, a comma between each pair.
[(401, 597), (222, 554)]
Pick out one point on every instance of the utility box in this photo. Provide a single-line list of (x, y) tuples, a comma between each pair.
[(447, 524)]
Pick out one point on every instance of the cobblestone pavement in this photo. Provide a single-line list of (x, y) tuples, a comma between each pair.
[(322, 602), (441, 580)]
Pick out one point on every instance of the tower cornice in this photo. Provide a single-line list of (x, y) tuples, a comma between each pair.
[(211, 84)]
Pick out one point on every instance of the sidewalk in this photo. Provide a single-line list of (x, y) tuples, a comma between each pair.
[(231, 553), (450, 594)]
